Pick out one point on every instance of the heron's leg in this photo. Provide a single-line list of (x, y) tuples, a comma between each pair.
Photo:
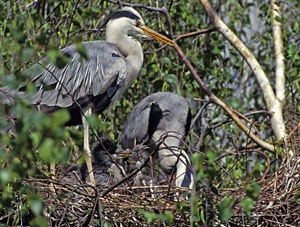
[(52, 169), (52, 173), (86, 146)]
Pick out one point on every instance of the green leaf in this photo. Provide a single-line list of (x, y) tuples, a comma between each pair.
[(225, 208), (158, 84), (226, 213), (171, 78), (61, 117), (150, 216), (46, 150), (248, 205), (39, 222), (167, 216), (234, 102), (27, 54), (5, 176), (36, 204), (216, 50), (82, 51), (58, 59), (211, 156), (278, 18), (252, 190), (237, 173), (19, 36), (166, 60)]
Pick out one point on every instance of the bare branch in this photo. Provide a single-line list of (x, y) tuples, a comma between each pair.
[(243, 50), (198, 32), (220, 103), (279, 55), (273, 103)]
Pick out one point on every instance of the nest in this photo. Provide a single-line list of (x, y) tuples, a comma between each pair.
[(78, 204), (70, 204), (277, 204)]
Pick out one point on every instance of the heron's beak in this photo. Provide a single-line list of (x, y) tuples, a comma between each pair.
[(132, 161), (155, 35), (120, 153)]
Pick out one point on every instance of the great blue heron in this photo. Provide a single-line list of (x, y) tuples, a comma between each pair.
[(160, 121), (91, 85)]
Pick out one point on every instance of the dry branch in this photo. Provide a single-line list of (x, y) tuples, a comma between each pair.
[(220, 103), (273, 103)]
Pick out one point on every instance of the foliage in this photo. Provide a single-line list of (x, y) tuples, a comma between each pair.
[(220, 158), (165, 217)]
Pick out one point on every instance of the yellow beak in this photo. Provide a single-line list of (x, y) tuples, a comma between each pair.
[(155, 35)]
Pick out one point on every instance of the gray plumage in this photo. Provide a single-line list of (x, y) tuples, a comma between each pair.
[(161, 121), (106, 171), (90, 85)]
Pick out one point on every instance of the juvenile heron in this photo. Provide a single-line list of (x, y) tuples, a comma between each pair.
[(106, 172), (90, 85), (161, 121)]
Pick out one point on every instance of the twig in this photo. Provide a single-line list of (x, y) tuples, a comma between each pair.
[(195, 33), (293, 130), (32, 4)]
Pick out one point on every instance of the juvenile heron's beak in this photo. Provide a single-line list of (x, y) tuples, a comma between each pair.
[(132, 160), (120, 153), (155, 35)]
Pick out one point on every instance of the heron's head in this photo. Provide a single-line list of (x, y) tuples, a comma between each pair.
[(130, 21), (103, 152)]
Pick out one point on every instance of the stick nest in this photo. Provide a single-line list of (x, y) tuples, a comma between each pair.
[(69, 204)]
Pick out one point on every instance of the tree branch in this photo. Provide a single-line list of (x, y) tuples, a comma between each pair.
[(195, 33), (273, 104), (280, 66), (243, 50), (220, 103), (279, 52)]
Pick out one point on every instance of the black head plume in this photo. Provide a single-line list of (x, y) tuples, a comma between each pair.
[(115, 15)]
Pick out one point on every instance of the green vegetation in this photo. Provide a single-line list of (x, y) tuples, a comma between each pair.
[(230, 177)]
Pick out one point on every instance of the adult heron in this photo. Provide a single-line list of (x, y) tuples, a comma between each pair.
[(161, 121), (90, 85)]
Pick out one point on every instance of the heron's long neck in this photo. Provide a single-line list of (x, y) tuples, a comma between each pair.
[(130, 48)]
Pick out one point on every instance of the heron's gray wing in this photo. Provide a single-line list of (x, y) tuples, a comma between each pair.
[(141, 123), (155, 115), (176, 112), (80, 79)]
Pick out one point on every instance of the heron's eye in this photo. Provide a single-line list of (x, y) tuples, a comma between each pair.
[(137, 23)]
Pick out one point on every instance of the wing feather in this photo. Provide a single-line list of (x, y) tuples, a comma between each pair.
[(79, 78), (154, 115), (135, 130)]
